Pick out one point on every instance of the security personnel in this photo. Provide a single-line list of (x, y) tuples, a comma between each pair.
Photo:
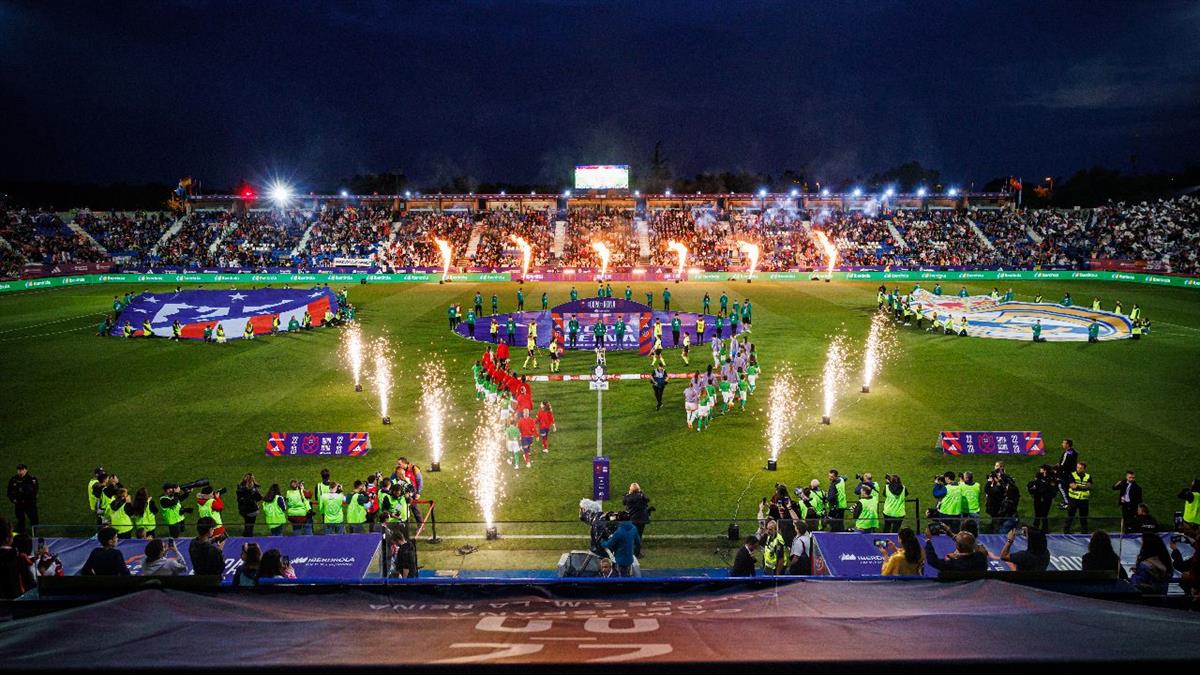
[(1135, 313), (1038, 298), (356, 508), (22, 492), (1117, 309), (221, 332), (170, 504), (879, 299), (1137, 330), (147, 331), (299, 511), (1095, 304), (248, 332), (868, 513), (836, 497), (1079, 492), (894, 496), (774, 549), (177, 330), (494, 331)]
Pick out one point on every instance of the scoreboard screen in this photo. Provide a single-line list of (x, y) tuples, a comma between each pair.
[(602, 177)]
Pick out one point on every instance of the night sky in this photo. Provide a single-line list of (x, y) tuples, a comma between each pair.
[(317, 91)]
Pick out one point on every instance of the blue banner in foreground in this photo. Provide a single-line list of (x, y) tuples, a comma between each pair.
[(345, 556)]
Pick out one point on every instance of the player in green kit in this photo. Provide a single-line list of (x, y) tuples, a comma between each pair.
[(1094, 331), (450, 313), (720, 326), (598, 330), (724, 302), (520, 300), (707, 302), (649, 299), (676, 324), (600, 291), (619, 328), (746, 315), (667, 299), (471, 323), (574, 294), (711, 390), (752, 371), (512, 438), (1037, 331), (704, 403), (735, 310), (743, 389), (545, 302), (735, 318), (628, 294), (495, 304), (608, 290), (478, 304)]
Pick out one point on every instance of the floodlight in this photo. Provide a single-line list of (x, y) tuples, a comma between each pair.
[(857, 192), (889, 192), (952, 191), (762, 193), (280, 193), (668, 193), (920, 192), (345, 193), (825, 192), (795, 192), (566, 193)]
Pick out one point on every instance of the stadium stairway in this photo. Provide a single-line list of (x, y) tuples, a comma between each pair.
[(982, 237), (896, 236), (560, 238), (303, 243), (1033, 235), (169, 234), (5, 245), (643, 236), (473, 241), (78, 229)]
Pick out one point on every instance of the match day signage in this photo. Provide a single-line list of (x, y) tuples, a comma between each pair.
[(600, 482), (208, 277), (343, 557), (992, 443), (318, 444)]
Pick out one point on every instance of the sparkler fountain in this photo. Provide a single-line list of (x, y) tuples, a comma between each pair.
[(526, 254), (382, 376), (831, 253), (834, 376), (781, 411), (444, 247), (487, 483), (881, 343), (434, 400), (352, 353), (602, 251), (682, 252), (751, 251)]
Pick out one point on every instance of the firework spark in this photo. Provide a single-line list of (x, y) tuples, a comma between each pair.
[(382, 375), (881, 344), (835, 374), (682, 252), (352, 353), (526, 253), (602, 251), (831, 252), (487, 484), (434, 402), (781, 410), (751, 251), (444, 247)]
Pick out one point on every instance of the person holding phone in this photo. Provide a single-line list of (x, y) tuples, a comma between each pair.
[(163, 560), (1035, 557), (905, 560)]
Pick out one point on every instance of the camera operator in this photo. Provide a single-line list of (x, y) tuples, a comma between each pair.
[(836, 499), (867, 508), (170, 504), (1043, 488), (248, 498), (865, 480), (1035, 557), (951, 502), (210, 505), (205, 549), (333, 512), (1001, 497), (23, 492), (356, 508), (299, 508), (162, 560), (895, 497), (393, 505)]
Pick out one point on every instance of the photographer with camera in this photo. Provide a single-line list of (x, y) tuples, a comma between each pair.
[(205, 549), (332, 506), (1043, 488), (248, 498), (895, 497), (1001, 497), (274, 508), (298, 507), (162, 560), (867, 508), (356, 508), (1035, 557), (836, 499), (170, 505), (951, 501), (210, 505)]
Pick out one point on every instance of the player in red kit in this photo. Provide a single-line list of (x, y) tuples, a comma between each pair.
[(528, 429), (545, 422)]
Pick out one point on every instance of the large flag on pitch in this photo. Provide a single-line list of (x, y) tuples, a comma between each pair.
[(233, 308)]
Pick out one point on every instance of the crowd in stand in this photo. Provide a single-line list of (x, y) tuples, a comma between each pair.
[(1165, 235)]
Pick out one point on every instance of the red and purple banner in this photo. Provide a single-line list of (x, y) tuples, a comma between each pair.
[(318, 444), (992, 443)]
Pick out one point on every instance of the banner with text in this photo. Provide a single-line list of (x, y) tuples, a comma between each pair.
[(992, 443), (318, 444)]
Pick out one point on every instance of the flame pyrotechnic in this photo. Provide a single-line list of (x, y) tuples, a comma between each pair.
[(444, 247), (781, 410), (382, 376), (835, 374), (830, 250), (681, 251), (602, 251), (487, 483), (526, 253), (751, 251), (434, 401), (881, 343), (352, 353)]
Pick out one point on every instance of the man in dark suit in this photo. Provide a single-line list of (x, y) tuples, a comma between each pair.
[(1129, 495), (745, 563), (1070, 458)]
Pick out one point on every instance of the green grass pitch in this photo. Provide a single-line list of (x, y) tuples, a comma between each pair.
[(152, 410)]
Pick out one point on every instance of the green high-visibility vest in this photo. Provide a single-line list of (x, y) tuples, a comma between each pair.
[(105, 502), (206, 510), (147, 520), (1078, 493), (868, 516), (840, 490), (120, 520), (772, 550), (818, 503), (297, 505), (952, 503), (1191, 510), (172, 515), (273, 513), (972, 492), (331, 508), (356, 513), (92, 495), (893, 505)]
